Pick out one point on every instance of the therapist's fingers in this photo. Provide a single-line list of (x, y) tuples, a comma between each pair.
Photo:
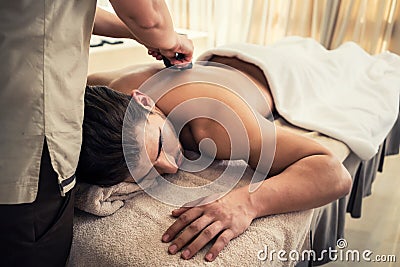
[(155, 53), (188, 234), (184, 47), (151, 52), (183, 220), (203, 238)]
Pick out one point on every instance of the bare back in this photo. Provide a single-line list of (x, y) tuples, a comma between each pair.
[(127, 79), (289, 147)]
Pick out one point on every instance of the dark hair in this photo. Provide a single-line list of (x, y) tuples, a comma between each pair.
[(102, 160)]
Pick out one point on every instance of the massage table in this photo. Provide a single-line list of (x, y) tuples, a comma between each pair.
[(329, 221)]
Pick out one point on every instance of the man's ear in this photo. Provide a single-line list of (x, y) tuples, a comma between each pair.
[(142, 99)]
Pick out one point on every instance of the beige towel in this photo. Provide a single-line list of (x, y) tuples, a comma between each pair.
[(132, 235), (103, 201)]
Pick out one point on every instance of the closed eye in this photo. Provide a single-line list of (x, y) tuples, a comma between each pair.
[(160, 144)]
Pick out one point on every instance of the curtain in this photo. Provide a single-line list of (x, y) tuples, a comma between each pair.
[(370, 23), (394, 40)]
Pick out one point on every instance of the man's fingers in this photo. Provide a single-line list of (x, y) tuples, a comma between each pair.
[(203, 200), (183, 220), (219, 244), (205, 236), (189, 233), (178, 212), (194, 203)]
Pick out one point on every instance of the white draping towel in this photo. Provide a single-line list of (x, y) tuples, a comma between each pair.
[(344, 93)]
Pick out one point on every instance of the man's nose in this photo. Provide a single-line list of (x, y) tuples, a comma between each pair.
[(167, 163)]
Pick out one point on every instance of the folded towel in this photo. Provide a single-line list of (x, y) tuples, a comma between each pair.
[(104, 201), (344, 93)]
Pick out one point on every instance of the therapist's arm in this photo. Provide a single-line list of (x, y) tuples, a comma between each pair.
[(108, 24), (151, 23)]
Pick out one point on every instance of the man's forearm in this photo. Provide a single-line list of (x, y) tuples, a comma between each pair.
[(309, 183)]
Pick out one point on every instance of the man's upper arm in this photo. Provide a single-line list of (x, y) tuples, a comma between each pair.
[(281, 146), (240, 132), (291, 147)]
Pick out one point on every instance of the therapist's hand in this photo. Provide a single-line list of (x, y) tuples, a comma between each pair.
[(184, 46), (227, 218)]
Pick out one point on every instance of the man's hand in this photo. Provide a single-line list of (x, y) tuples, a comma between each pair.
[(227, 218)]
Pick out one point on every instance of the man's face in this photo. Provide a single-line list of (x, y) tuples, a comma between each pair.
[(161, 148)]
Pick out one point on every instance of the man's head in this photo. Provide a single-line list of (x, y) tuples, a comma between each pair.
[(147, 134)]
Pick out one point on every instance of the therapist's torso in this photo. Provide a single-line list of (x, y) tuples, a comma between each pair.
[(44, 47)]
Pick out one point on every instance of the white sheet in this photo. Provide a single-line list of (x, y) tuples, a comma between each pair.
[(344, 93)]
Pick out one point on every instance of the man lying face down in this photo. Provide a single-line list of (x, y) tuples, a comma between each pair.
[(303, 173)]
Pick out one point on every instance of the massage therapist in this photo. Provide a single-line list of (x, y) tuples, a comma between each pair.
[(44, 55)]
